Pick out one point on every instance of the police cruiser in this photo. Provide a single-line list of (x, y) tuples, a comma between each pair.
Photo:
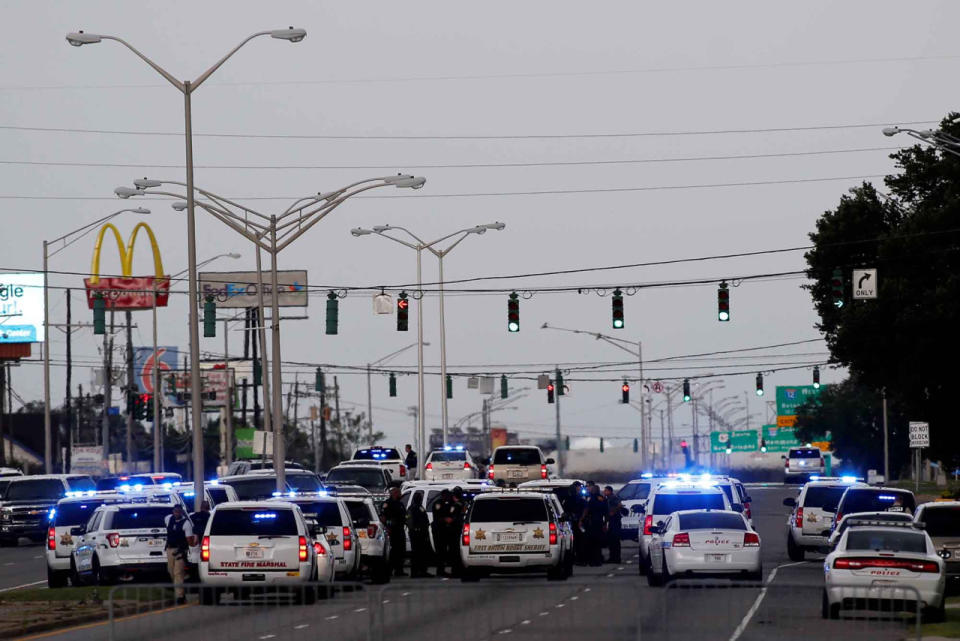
[(372, 536), (810, 522), (328, 520), (450, 463)]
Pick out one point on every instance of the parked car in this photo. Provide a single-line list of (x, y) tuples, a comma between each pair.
[(27, 501), (518, 463)]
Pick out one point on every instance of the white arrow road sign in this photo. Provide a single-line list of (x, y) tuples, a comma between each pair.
[(864, 283)]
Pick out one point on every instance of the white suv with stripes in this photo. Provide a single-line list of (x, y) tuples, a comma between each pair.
[(122, 541)]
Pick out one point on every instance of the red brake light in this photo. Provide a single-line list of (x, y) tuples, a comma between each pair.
[(490, 472), (647, 524), (890, 564), (786, 464), (347, 541), (304, 554), (553, 533), (681, 540), (205, 549), (751, 540), (746, 511), (372, 531), (113, 539), (403, 470), (465, 537), (51, 538), (798, 519), (318, 548), (466, 465), (543, 471), (429, 466)]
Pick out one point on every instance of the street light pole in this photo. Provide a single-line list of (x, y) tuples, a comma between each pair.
[(369, 386)]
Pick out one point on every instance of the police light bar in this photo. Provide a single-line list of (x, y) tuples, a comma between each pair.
[(647, 475), (919, 525)]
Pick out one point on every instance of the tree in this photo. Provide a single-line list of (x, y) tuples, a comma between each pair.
[(905, 340)]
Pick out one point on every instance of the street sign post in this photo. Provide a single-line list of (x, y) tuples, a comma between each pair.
[(864, 284), (919, 438)]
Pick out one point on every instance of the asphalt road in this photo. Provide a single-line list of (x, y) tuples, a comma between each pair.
[(22, 565), (611, 602)]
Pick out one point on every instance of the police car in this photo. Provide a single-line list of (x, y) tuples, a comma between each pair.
[(329, 520), (704, 542), (122, 541), (75, 511), (27, 502), (388, 457), (847, 519), (450, 463), (887, 565), (371, 475), (634, 496), (799, 463), (862, 498), (560, 491), (214, 493), (430, 491), (298, 480), (510, 532), (811, 521), (518, 463), (254, 487), (258, 544), (372, 535), (676, 496)]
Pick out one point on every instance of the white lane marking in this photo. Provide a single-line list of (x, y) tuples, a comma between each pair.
[(10, 563), (25, 585), (574, 598), (559, 605), (543, 614), (360, 610), (301, 626), (756, 604), (386, 600), (586, 589), (405, 594), (38, 557), (331, 617), (507, 631), (525, 622), (610, 575), (267, 636), (620, 568), (629, 562)]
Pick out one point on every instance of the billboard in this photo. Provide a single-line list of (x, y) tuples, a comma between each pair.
[(144, 364), (87, 459), (239, 289), (21, 308), (215, 383), (128, 291)]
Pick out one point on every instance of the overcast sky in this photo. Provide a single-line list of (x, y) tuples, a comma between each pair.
[(455, 76)]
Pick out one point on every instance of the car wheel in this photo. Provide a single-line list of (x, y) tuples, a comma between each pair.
[(557, 573), (654, 580), (665, 573), (642, 566), (56, 579), (935, 615), (74, 575), (828, 610), (794, 551)]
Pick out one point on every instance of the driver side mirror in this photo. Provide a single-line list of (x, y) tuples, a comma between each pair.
[(737, 508), (78, 531), (783, 457), (657, 529), (790, 501), (550, 461)]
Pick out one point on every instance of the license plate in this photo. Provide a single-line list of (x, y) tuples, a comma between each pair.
[(156, 542), (509, 537), (253, 553), (446, 476), (516, 474), (715, 558), (362, 534)]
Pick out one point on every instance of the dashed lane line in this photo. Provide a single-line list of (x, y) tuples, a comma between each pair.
[(505, 631), (543, 614), (331, 617), (360, 610), (756, 604), (525, 622), (25, 585), (267, 636), (301, 626)]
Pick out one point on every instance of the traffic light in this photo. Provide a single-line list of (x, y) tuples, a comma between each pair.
[(99, 314), (601, 445), (836, 287), (333, 312), (148, 407), (686, 390), (403, 312), (257, 373), (686, 452), (513, 313), (318, 382), (759, 383), (617, 309), (550, 392), (503, 386), (625, 393), (393, 384), (209, 317), (723, 302), (763, 445), (636, 446), (449, 386), (816, 377), (559, 383)]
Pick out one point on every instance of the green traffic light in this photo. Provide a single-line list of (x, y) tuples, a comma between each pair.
[(617, 323), (513, 327)]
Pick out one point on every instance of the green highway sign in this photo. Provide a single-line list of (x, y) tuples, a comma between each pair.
[(779, 439), (790, 397), (243, 438), (736, 441)]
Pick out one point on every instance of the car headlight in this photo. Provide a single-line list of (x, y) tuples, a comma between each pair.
[(5, 514), (945, 554)]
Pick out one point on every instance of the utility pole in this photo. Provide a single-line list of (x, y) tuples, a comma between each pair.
[(68, 410), (886, 439), (228, 407), (254, 321), (561, 454), (107, 389), (131, 464), (3, 396), (296, 402), (663, 445), (336, 400)]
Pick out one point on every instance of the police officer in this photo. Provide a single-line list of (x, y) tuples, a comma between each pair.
[(419, 527), (410, 461), (614, 522), (459, 513), (573, 505), (593, 521), (179, 539), (443, 513), (395, 517), (199, 520)]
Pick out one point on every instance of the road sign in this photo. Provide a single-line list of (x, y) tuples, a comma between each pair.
[(919, 434), (864, 283), (735, 441), (657, 387), (790, 397)]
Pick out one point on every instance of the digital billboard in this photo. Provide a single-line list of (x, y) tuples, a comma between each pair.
[(21, 308)]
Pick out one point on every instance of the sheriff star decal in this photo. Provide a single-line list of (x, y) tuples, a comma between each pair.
[(538, 533), (480, 535)]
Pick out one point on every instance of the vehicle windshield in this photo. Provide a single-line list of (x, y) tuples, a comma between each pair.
[(377, 454), (3, 486), (448, 457), (71, 514), (712, 521), (516, 456), (113, 482), (877, 500), (634, 491), (139, 518), (35, 490), (825, 497), (508, 510), (942, 521), (670, 503), (867, 539), (304, 482), (371, 478), (81, 484), (219, 495), (325, 513), (255, 488), (807, 452), (260, 521)]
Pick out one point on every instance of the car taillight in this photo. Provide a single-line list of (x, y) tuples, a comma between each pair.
[(553, 533), (798, 519), (205, 549), (466, 465), (372, 531), (490, 472), (543, 471), (52, 538), (113, 539), (318, 548), (429, 466), (647, 524), (347, 541), (856, 563), (304, 553), (681, 540), (837, 519), (746, 511), (465, 537), (403, 470), (751, 540)]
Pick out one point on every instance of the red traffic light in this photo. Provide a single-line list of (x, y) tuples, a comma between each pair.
[(550, 387), (403, 303), (683, 443), (625, 388)]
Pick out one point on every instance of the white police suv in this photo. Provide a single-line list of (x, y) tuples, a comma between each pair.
[(372, 536), (328, 520), (814, 508), (449, 464)]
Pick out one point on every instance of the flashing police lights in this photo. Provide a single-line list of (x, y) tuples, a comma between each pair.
[(450, 448)]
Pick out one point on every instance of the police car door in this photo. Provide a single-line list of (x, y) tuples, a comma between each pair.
[(87, 543), (656, 545)]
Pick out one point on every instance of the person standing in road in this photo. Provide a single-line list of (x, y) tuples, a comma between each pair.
[(459, 515), (573, 505), (443, 509), (614, 523), (395, 518), (419, 527), (410, 462), (199, 520), (179, 539), (593, 521)]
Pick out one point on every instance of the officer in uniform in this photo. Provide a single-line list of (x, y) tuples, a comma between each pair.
[(199, 520), (410, 462), (395, 517), (419, 527), (459, 513), (614, 522), (593, 522), (179, 539), (573, 505), (443, 513)]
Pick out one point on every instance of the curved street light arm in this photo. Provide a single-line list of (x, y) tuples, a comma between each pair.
[(88, 227), (206, 74), (163, 72), (396, 240), (226, 217), (220, 200), (325, 211)]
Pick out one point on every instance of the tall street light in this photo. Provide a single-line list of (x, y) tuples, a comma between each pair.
[(419, 245), (187, 88), (47, 428), (270, 233), (939, 139)]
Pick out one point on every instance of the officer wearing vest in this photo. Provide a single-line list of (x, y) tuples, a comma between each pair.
[(179, 539)]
